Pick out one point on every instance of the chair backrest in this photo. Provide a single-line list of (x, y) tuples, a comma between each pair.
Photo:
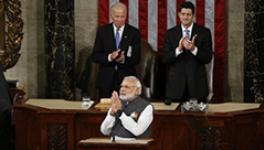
[(145, 69)]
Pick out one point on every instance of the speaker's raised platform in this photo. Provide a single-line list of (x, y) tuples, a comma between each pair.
[(226, 126)]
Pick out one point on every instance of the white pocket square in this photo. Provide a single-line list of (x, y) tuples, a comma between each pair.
[(129, 51)]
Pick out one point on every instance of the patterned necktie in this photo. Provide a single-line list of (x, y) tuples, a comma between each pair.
[(117, 38), (187, 33)]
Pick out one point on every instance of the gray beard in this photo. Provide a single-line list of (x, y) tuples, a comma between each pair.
[(126, 97)]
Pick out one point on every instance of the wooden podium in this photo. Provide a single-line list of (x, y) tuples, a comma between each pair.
[(107, 144)]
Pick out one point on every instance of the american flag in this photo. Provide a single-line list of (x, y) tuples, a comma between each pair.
[(154, 17)]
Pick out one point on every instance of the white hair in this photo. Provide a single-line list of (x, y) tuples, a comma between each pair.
[(135, 81), (118, 5)]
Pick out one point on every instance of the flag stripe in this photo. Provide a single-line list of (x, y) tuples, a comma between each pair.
[(143, 19), (171, 14), (133, 13), (220, 43), (200, 12), (103, 12), (152, 25), (209, 16), (162, 23)]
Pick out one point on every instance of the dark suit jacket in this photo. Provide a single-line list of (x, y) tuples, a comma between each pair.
[(105, 44), (187, 71)]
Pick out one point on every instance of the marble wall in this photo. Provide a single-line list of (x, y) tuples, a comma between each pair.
[(235, 51), (30, 70)]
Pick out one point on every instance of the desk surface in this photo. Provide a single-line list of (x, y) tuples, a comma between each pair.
[(76, 105)]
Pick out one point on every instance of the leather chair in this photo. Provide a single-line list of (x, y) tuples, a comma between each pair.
[(152, 73), (146, 68)]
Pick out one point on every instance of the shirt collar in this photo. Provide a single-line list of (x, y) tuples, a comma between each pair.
[(121, 29), (189, 28)]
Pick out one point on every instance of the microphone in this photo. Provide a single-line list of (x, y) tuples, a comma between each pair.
[(167, 101), (113, 138)]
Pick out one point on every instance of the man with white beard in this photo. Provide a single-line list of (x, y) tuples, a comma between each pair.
[(129, 116)]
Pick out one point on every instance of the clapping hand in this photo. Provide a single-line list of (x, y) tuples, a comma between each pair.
[(115, 54), (187, 44), (116, 103), (121, 57), (118, 56)]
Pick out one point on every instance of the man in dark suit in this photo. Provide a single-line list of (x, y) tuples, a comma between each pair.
[(188, 47), (5, 114), (117, 50)]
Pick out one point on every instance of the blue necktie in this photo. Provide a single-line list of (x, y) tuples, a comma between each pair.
[(187, 33), (117, 38)]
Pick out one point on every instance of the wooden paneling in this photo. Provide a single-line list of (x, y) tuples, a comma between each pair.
[(36, 128)]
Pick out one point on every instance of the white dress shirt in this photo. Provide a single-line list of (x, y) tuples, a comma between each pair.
[(121, 30), (135, 127)]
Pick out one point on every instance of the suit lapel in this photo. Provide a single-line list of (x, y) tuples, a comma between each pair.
[(112, 37), (178, 33), (123, 41), (194, 30)]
